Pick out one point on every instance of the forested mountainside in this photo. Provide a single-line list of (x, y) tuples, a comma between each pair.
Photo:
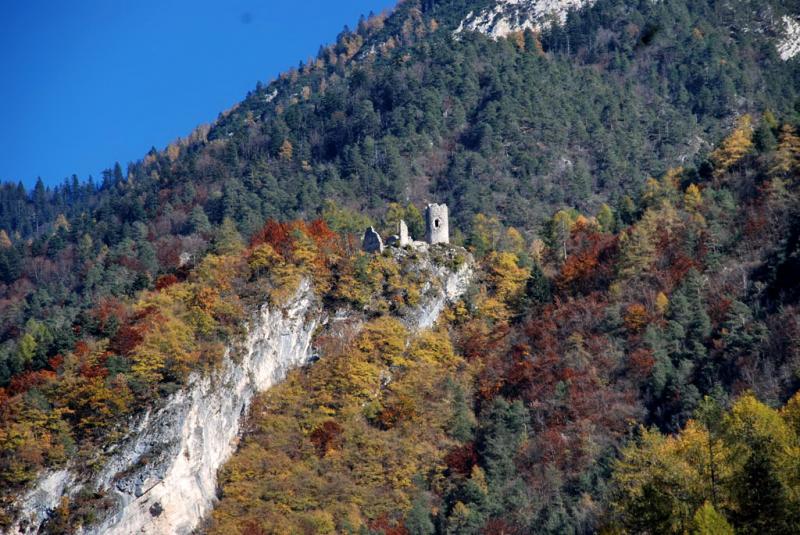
[(606, 298), (402, 110), (546, 402)]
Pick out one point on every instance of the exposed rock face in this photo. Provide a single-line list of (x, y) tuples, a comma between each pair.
[(509, 16), (372, 242), (789, 46), (201, 425), (505, 17), (164, 475), (44, 497), (446, 285)]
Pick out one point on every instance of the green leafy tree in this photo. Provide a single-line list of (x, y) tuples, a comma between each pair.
[(227, 239), (418, 518)]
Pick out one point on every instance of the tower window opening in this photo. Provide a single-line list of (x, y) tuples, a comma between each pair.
[(435, 223)]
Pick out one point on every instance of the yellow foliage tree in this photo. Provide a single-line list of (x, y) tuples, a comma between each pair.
[(638, 246), (665, 189), (693, 198), (605, 218), (787, 156), (505, 276), (744, 464), (513, 241), (661, 481), (383, 340), (734, 147), (262, 258), (707, 521), (560, 229), (168, 346), (662, 302), (61, 223), (287, 150), (791, 413)]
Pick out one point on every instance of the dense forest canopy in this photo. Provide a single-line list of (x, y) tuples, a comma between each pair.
[(629, 184), (634, 377)]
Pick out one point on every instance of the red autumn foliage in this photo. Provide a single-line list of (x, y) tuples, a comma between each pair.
[(252, 527), (276, 234), (390, 416), (165, 281), (562, 365), (519, 372), (82, 349), (25, 381), (87, 367), (554, 446), (91, 370), (674, 260), (321, 233), (591, 265), (640, 363), (718, 309), (281, 236), (477, 341), (168, 252), (132, 264), (756, 224), (384, 525), (461, 459), (499, 526), (109, 309), (56, 362), (325, 437), (131, 334)]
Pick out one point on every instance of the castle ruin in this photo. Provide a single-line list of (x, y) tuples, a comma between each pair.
[(437, 230), (372, 242), (404, 239)]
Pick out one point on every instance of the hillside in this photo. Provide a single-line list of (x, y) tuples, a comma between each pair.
[(400, 110), (542, 407), (625, 174)]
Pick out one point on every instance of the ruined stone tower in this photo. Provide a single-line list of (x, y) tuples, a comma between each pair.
[(371, 242), (437, 229), (402, 234)]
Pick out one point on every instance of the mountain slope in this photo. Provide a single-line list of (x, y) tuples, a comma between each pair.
[(519, 136), (606, 387)]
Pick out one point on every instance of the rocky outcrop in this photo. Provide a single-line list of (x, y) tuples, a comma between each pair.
[(196, 432), (505, 17), (510, 16), (452, 269), (789, 45), (162, 478)]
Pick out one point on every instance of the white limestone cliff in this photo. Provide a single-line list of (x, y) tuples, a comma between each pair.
[(509, 16), (163, 477), (789, 44), (505, 17)]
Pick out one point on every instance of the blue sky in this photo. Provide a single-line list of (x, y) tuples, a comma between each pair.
[(85, 83)]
